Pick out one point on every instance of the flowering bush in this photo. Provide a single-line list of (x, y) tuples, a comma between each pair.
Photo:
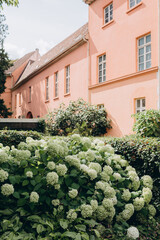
[(71, 188)]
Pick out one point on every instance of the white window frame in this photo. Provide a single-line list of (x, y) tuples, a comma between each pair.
[(68, 79), (102, 68), (56, 85), (147, 62), (108, 13), (133, 3), (47, 89), (142, 105)]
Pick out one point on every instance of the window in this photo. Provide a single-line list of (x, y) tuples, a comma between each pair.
[(108, 13), (144, 52), (20, 102), (140, 105), (102, 68), (47, 89), (56, 84), (29, 95), (15, 101), (133, 3), (100, 106), (67, 79)]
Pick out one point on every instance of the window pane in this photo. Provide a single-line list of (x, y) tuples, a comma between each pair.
[(141, 41), (100, 79), (141, 67), (104, 78), (100, 59), (132, 3), (100, 73), (100, 67), (148, 56), (148, 64), (138, 103), (141, 51), (111, 6), (143, 102), (141, 59), (148, 39), (138, 1), (104, 57), (106, 10), (148, 48), (138, 111)]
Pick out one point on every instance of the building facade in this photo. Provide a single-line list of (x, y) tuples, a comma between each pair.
[(113, 61)]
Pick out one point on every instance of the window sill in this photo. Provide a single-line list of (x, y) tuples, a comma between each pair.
[(47, 101), (56, 98), (132, 9), (107, 24), (67, 94)]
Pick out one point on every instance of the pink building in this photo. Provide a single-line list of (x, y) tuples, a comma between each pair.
[(112, 61)]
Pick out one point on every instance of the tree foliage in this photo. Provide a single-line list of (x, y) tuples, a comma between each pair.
[(9, 2)]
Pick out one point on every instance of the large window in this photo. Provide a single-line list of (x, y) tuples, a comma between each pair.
[(67, 79), (108, 13), (102, 68), (133, 3), (144, 52), (56, 85), (30, 93), (47, 89), (140, 105)]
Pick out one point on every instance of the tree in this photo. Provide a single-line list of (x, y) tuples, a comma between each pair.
[(9, 2)]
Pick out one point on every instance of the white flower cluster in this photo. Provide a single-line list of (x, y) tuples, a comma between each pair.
[(86, 210), (96, 166), (127, 213), (138, 203), (126, 195), (133, 233), (34, 197), (3, 156), (51, 165), (73, 161), (71, 215), (7, 189), (152, 210), (147, 194), (61, 169), (147, 181), (55, 202), (73, 193), (29, 174), (94, 205), (3, 175), (52, 178)]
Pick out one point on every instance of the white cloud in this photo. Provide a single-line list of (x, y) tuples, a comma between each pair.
[(43, 46), (14, 51)]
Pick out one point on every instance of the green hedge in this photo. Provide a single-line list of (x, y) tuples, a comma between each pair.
[(144, 155), (13, 137)]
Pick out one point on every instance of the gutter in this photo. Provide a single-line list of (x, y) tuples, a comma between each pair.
[(52, 61)]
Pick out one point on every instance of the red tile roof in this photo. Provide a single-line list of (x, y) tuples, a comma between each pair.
[(48, 58)]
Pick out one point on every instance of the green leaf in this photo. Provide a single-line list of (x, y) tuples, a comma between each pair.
[(12, 179), (38, 179), (75, 186), (16, 195), (69, 234), (34, 218), (81, 227), (97, 233), (85, 236), (60, 194), (78, 236), (25, 183), (21, 202), (40, 229), (33, 182), (6, 212), (64, 223)]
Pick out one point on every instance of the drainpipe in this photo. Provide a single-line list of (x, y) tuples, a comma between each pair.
[(158, 55), (88, 66)]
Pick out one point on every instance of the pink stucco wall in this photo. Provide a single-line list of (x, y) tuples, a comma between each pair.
[(78, 85)]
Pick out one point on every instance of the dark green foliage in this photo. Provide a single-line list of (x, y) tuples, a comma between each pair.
[(65, 119), (41, 126), (147, 123), (13, 137), (144, 155)]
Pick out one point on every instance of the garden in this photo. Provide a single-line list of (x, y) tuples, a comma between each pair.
[(72, 182)]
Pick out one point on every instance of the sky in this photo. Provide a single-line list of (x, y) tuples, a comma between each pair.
[(41, 24)]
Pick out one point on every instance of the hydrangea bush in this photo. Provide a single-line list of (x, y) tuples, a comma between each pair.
[(71, 188)]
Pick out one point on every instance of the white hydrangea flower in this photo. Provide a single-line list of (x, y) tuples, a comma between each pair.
[(73, 161), (55, 202), (147, 194), (29, 174), (126, 195), (57, 186), (130, 169), (51, 166), (95, 166), (133, 233), (108, 170), (61, 169), (76, 137), (127, 212), (147, 181), (34, 197), (90, 155), (3, 156), (86, 210), (73, 193), (52, 178), (105, 176), (71, 215), (102, 214), (81, 155), (114, 200), (110, 149), (107, 203), (138, 203), (92, 174), (86, 142), (7, 189), (94, 205), (123, 163), (152, 210), (100, 185), (60, 208), (109, 192), (117, 176), (3, 175), (84, 168)]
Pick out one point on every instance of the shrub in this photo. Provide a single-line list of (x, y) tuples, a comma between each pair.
[(70, 189), (41, 126), (147, 123), (13, 137), (144, 155), (65, 119)]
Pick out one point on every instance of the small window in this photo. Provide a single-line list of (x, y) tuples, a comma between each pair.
[(140, 105), (108, 13), (30, 92), (47, 89), (144, 52), (133, 3), (102, 68), (100, 106), (20, 100), (56, 85), (67, 79)]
